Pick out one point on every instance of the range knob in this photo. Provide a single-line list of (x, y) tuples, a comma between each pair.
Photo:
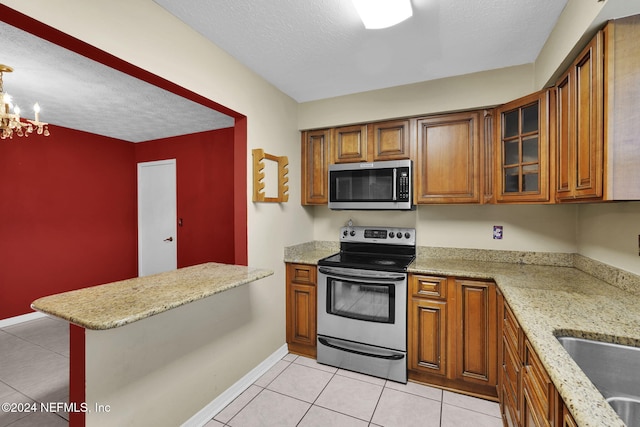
[(353, 233), (344, 233), (407, 235), (399, 235), (391, 235)]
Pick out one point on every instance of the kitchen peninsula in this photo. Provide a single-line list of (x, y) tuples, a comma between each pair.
[(145, 350)]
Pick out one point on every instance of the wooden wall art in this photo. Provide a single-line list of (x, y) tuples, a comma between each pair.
[(258, 175)]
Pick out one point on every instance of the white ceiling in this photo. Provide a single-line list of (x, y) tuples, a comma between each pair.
[(78, 93), (314, 49)]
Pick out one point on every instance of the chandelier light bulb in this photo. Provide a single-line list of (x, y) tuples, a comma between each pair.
[(377, 14), (36, 109), (16, 110)]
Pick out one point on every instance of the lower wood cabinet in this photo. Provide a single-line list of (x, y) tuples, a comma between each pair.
[(452, 333), (301, 306), (527, 395)]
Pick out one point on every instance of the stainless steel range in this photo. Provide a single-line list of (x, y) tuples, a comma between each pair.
[(362, 301)]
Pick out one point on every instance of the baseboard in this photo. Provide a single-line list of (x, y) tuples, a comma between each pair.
[(10, 321), (219, 403)]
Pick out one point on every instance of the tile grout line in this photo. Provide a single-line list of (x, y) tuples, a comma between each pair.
[(318, 396)]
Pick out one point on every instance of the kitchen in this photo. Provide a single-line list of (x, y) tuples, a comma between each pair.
[(605, 232)]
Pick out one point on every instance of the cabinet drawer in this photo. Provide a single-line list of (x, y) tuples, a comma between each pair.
[(511, 374), (511, 331), (302, 273), (538, 382), (432, 287)]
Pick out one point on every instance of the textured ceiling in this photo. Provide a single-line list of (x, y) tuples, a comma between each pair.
[(78, 93), (318, 49)]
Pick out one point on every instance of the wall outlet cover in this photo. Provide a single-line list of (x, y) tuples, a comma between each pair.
[(497, 232)]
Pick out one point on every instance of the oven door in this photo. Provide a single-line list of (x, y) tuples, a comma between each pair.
[(364, 306)]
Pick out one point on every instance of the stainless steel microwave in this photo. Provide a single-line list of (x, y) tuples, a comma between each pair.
[(372, 186)]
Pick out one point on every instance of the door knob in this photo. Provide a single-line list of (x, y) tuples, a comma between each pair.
[(169, 239)]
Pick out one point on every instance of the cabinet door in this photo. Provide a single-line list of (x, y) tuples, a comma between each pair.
[(589, 127), (349, 144), (301, 307), (390, 140), (476, 332), (448, 160), (427, 339), (580, 126), (315, 167), (564, 136), (522, 151)]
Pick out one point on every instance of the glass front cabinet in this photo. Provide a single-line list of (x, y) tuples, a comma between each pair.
[(522, 151)]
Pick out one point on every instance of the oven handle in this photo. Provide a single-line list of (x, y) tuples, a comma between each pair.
[(361, 353), (387, 278)]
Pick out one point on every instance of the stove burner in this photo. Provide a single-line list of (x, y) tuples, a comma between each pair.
[(384, 249)]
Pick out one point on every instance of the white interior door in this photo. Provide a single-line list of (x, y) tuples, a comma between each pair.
[(157, 206)]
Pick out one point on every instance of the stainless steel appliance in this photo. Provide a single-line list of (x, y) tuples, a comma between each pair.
[(375, 186), (362, 302)]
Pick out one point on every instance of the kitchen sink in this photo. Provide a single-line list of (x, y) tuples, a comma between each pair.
[(615, 371)]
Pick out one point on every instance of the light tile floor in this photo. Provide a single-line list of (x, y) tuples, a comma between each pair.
[(297, 391), (34, 368)]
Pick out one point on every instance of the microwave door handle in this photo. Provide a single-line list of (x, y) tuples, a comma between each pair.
[(395, 184)]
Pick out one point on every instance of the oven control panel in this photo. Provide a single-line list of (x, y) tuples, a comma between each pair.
[(387, 235)]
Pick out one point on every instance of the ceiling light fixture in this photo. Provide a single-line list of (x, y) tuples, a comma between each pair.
[(10, 123), (376, 14)]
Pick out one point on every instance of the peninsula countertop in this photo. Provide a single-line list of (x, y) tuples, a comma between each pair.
[(549, 300), (119, 303)]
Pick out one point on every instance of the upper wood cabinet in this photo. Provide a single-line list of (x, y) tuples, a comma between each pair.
[(522, 151), (349, 144), (448, 162), (315, 167), (579, 125), (597, 124), (390, 140), (373, 142)]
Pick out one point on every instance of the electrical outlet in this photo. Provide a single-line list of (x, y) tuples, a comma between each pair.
[(497, 232)]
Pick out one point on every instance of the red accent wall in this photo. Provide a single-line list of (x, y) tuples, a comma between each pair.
[(68, 202), (205, 187), (67, 215)]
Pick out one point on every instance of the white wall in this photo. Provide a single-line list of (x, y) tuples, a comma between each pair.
[(609, 232), (477, 90), (540, 228)]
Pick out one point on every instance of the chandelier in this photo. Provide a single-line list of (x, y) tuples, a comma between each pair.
[(10, 123)]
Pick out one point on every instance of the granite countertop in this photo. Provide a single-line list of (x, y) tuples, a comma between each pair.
[(119, 303), (549, 300)]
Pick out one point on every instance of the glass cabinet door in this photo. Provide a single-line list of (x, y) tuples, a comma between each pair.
[(522, 154)]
